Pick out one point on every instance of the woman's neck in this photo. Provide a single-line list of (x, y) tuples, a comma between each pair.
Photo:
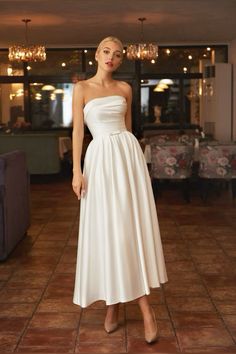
[(103, 78)]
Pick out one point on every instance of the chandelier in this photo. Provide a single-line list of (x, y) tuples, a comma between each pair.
[(142, 51), (27, 53)]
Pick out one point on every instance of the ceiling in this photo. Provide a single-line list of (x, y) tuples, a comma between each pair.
[(72, 23)]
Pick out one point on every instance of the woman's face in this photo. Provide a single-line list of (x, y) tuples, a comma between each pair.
[(109, 56)]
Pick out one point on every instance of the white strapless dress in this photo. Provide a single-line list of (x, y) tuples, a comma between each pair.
[(120, 253)]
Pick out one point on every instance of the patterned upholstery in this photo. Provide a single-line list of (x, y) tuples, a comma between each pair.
[(172, 138), (217, 161), (172, 161)]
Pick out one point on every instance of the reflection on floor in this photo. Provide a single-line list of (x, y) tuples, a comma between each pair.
[(196, 309)]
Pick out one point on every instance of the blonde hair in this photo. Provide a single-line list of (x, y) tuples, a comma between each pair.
[(110, 39)]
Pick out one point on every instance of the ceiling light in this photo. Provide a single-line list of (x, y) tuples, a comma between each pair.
[(190, 57), (168, 51), (163, 86), (48, 88), (59, 91), (158, 89), (27, 52), (142, 51), (9, 71), (167, 81)]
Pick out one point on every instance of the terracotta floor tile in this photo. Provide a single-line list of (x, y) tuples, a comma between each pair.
[(69, 255), (95, 333), (54, 252), (224, 268), (136, 328), (224, 293), (44, 349), (216, 281), (34, 228), (5, 273), (55, 320), (163, 345), (65, 268), (63, 280), (30, 260), (114, 346), (203, 337), (28, 280), (8, 340), (92, 316), (55, 236), (58, 305), (177, 267), (62, 226), (209, 258), (226, 307), (50, 244), (190, 319), (199, 246), (37, 267), (185, 288), (48, 337), (53, 292), (176, 278), (212, 350), (193, 304), (230, 321), (133, 312), (17, 310), (9, 295), (13, 324)]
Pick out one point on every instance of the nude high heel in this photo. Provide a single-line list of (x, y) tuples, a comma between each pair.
[(151, 337), (110, 326)]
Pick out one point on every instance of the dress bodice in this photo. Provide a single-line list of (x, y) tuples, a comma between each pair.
[(105, 115)]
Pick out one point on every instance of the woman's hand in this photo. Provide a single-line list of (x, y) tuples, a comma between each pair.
[(78, 185)]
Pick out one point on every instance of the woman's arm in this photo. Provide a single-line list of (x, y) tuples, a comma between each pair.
[(78, 182), (128, 116)]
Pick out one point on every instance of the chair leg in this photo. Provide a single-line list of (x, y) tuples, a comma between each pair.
[(204, 185), (154, 187), (233, 186), (185, 190)]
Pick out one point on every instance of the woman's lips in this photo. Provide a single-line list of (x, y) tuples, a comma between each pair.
[(109, 63)]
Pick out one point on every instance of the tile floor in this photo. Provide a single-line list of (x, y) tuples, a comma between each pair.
[(196, 309)]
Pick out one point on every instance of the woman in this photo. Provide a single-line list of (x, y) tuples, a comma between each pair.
[(119, 252)]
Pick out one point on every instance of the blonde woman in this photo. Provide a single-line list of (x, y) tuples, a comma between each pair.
[(120, 255)]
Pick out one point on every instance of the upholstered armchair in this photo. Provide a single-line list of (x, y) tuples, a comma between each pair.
[(172, 161), (217, 162), (14, 201)]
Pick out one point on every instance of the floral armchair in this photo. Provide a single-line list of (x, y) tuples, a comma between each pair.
[(172, 161), (218, 162)]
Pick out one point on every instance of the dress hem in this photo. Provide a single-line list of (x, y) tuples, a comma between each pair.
[(120, 301)]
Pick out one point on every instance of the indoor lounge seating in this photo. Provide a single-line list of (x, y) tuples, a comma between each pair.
[(14, 201), (172, 162)]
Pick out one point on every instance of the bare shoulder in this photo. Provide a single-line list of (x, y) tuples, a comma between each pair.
[(125, 88), (80, 90)]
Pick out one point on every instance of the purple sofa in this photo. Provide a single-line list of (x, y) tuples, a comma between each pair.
[(14, 201)]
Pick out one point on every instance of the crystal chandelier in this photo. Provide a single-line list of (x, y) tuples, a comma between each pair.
[(142, 51), (27, 52)]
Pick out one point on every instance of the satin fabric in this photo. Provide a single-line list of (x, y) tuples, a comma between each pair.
[(120, 254)]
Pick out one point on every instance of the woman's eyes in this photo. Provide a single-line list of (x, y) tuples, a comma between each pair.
[(106, 51)]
